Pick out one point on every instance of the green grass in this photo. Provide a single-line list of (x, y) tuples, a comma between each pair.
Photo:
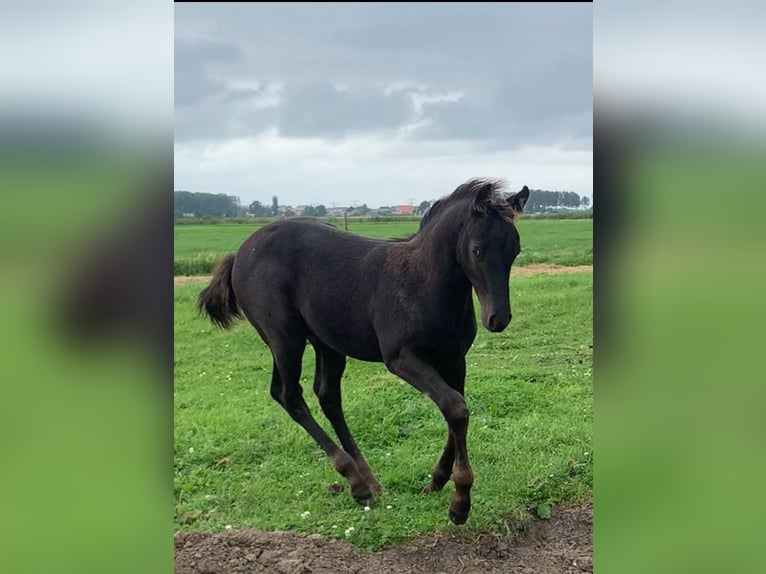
[(557, 241), (240, 460), (563, 242)]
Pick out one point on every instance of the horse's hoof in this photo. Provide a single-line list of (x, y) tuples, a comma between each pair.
[(458, 519), (431, 487), (364, 500)]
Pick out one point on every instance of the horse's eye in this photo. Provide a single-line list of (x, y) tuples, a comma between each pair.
[(476, 251)]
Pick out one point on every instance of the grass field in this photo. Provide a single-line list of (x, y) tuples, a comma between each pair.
[(562, 242), (240, 460)]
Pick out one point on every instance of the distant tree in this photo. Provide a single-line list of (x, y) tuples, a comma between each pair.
[(422, 208), (274, 206), (315, 211), (585, 201), (541, 200), (362, 210), (205, 204), (258, 209), (289, 213)]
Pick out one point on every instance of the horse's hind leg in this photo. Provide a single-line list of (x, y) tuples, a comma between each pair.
[(287, 391), (329, 371)]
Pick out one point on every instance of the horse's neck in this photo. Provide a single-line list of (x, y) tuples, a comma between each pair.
[(438, 248)]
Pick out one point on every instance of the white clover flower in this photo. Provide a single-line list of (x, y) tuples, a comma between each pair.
[(349, 531), (305, 514)]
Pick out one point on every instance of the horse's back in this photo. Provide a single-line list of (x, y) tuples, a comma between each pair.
[(303, 272), (306, 246)]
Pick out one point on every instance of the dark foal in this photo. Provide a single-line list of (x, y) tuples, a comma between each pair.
[(405, 303)]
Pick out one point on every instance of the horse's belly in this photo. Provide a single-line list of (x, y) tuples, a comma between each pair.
[(350, 336), (367, 354), (353, 345)]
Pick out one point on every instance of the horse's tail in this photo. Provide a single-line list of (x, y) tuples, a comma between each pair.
[(217, 300)]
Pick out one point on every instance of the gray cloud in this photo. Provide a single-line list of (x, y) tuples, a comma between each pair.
[(511, 116), (193, 81), (319, 109), (206, 106), (222, 118), (524, 71)]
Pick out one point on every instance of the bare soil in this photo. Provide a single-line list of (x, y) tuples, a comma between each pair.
[(535, 269), (184, 279), (547, 268), (560, 545)]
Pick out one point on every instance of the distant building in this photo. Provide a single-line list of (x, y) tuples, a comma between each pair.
[(404, 209)]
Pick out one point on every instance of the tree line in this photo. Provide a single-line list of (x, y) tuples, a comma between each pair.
[(197, 204), (541, 201)]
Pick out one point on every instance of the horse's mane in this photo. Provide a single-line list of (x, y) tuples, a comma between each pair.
[(485, 197)]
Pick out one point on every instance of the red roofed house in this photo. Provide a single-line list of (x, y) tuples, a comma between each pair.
[(405, 209)]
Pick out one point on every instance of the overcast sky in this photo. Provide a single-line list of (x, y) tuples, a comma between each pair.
[(378, 103)]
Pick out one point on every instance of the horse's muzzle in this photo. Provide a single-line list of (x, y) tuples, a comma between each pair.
[(496, 323)]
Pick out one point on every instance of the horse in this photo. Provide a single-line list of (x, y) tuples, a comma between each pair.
[(407, 303)]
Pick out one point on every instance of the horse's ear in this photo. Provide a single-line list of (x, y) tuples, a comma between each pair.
[(519, 200), (483, 195)]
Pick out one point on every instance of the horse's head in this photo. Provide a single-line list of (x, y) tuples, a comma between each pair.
[(488, 244)]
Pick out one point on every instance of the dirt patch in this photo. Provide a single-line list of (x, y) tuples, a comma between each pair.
[(561, 545), (545, 268), (184, 279), (536, 269)]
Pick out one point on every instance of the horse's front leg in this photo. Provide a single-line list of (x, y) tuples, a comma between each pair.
[(453, 373), (424, 377)]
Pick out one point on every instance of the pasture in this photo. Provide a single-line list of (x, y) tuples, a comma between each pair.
[(556, 241), (241, 462)]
